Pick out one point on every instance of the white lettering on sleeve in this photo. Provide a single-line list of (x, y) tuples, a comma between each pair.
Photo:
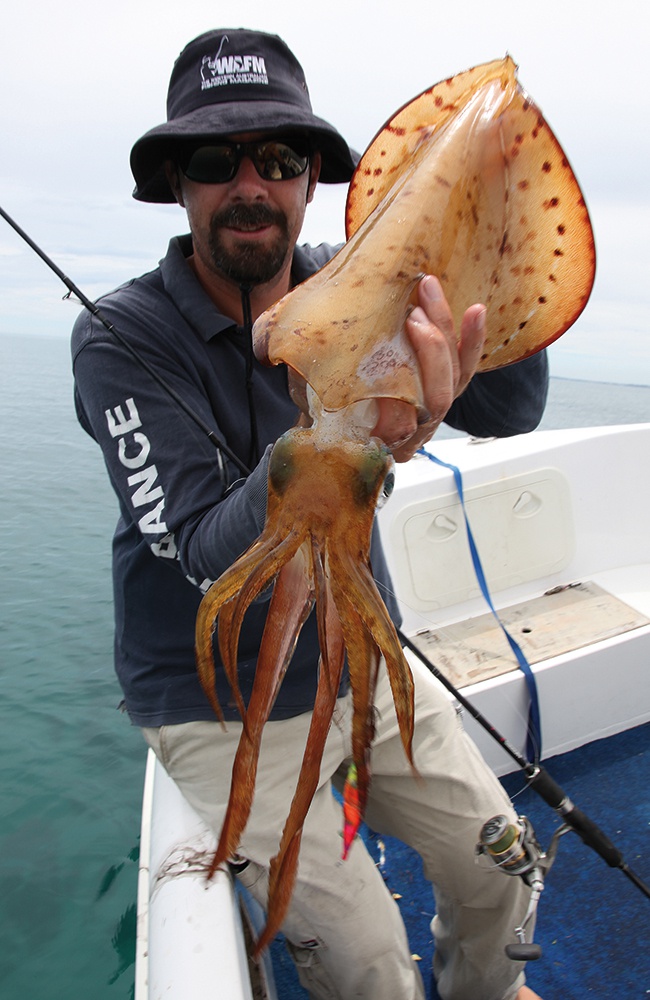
[(133, 449), (144, 494), (151, 523), (118, 424), (138, 460), (166, 547)]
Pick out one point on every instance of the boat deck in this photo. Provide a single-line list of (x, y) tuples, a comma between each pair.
[(593, 925), (560, 621)]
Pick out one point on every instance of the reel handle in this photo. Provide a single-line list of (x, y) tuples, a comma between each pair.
[(524, 952)]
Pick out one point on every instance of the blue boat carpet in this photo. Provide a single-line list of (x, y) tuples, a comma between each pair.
[(593, 923)]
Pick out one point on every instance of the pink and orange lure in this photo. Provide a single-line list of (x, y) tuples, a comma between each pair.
[(352, 813)]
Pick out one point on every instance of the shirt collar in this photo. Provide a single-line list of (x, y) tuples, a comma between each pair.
[(184, 288), (195, 305)]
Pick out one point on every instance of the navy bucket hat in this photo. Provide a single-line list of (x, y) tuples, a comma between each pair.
[(228, 81)]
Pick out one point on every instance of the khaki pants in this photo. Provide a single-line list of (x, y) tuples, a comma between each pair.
[(344, 930)]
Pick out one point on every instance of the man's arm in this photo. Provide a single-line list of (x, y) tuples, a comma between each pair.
[(503, 402), (167, 474)]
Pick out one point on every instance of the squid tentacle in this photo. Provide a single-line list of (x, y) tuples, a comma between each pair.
[(363, 658), (267, 563), (363, 663), (284, 866), (330, 636), (290, 604), (266, 555), (232, 614), (358, 577)]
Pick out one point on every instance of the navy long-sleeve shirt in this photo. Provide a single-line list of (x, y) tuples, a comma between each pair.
[(186, 511)]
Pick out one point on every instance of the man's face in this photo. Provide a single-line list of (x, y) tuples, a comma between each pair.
[(245, 229)]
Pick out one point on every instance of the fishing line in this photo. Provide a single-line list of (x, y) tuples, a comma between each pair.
[(96, 312), (430, 624), (534, 727), (538, 778)]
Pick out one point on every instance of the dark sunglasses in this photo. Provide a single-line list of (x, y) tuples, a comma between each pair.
[(274, 160)]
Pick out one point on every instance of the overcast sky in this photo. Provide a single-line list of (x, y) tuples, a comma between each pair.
[(80, 82)]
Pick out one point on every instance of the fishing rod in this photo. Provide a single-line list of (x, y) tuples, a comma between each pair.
[(538, 778), (513, 847), (96, 312)]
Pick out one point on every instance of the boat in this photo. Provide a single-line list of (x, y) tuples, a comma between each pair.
[(180, 913), (559, 521)]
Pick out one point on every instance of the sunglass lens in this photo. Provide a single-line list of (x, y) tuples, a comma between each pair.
[(217, 164), (212, 164), (277, 161)]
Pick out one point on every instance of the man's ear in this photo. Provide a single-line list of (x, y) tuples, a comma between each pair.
[(174, 180), (314, 174)]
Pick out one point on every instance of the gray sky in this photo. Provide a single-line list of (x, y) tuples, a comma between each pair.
[(79, 83)]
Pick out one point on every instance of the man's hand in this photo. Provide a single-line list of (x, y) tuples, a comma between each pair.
[(446, 367)]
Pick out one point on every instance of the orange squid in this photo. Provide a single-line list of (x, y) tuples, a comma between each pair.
[(469, 183)]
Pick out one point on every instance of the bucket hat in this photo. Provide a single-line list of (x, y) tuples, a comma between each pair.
[(228, 81)]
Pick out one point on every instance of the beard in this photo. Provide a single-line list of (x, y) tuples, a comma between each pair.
[(248, 264)]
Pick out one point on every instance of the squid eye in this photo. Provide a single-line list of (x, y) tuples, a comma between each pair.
[(375, 463), (387, 489), (281, 463)]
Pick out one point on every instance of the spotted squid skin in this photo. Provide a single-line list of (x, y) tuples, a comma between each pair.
[(469, 183)]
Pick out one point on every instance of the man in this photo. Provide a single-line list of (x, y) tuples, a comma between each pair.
[(242, 152)]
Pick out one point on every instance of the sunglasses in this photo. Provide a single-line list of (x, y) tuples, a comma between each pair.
[(218, 163)]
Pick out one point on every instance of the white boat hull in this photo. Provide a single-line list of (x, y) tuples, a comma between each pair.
[(190, 932), (587, 521)]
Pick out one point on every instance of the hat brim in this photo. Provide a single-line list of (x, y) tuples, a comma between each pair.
[(152, 149)]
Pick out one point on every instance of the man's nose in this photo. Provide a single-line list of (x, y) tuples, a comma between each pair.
[(247, 182)]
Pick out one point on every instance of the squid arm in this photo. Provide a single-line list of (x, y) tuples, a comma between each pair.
[(251, 573), (284, 866), (290, 605)]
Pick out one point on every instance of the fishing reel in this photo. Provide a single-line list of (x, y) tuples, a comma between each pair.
[(514, 849)]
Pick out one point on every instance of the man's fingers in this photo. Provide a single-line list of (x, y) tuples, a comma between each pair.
[(439, 365), (432, 299), (472, 338), (464, 350), (446, 364), (396, 423)]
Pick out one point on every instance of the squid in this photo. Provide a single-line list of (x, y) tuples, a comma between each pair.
[(469, 183)]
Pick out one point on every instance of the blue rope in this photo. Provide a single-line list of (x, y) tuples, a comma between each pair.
[(534, 732)]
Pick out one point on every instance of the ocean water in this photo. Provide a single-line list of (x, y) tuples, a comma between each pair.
[(71, 767)]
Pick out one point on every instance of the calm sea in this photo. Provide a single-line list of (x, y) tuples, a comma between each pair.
[(71, 767)]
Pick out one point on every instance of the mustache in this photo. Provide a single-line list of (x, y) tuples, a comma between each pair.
[(248, 216)]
